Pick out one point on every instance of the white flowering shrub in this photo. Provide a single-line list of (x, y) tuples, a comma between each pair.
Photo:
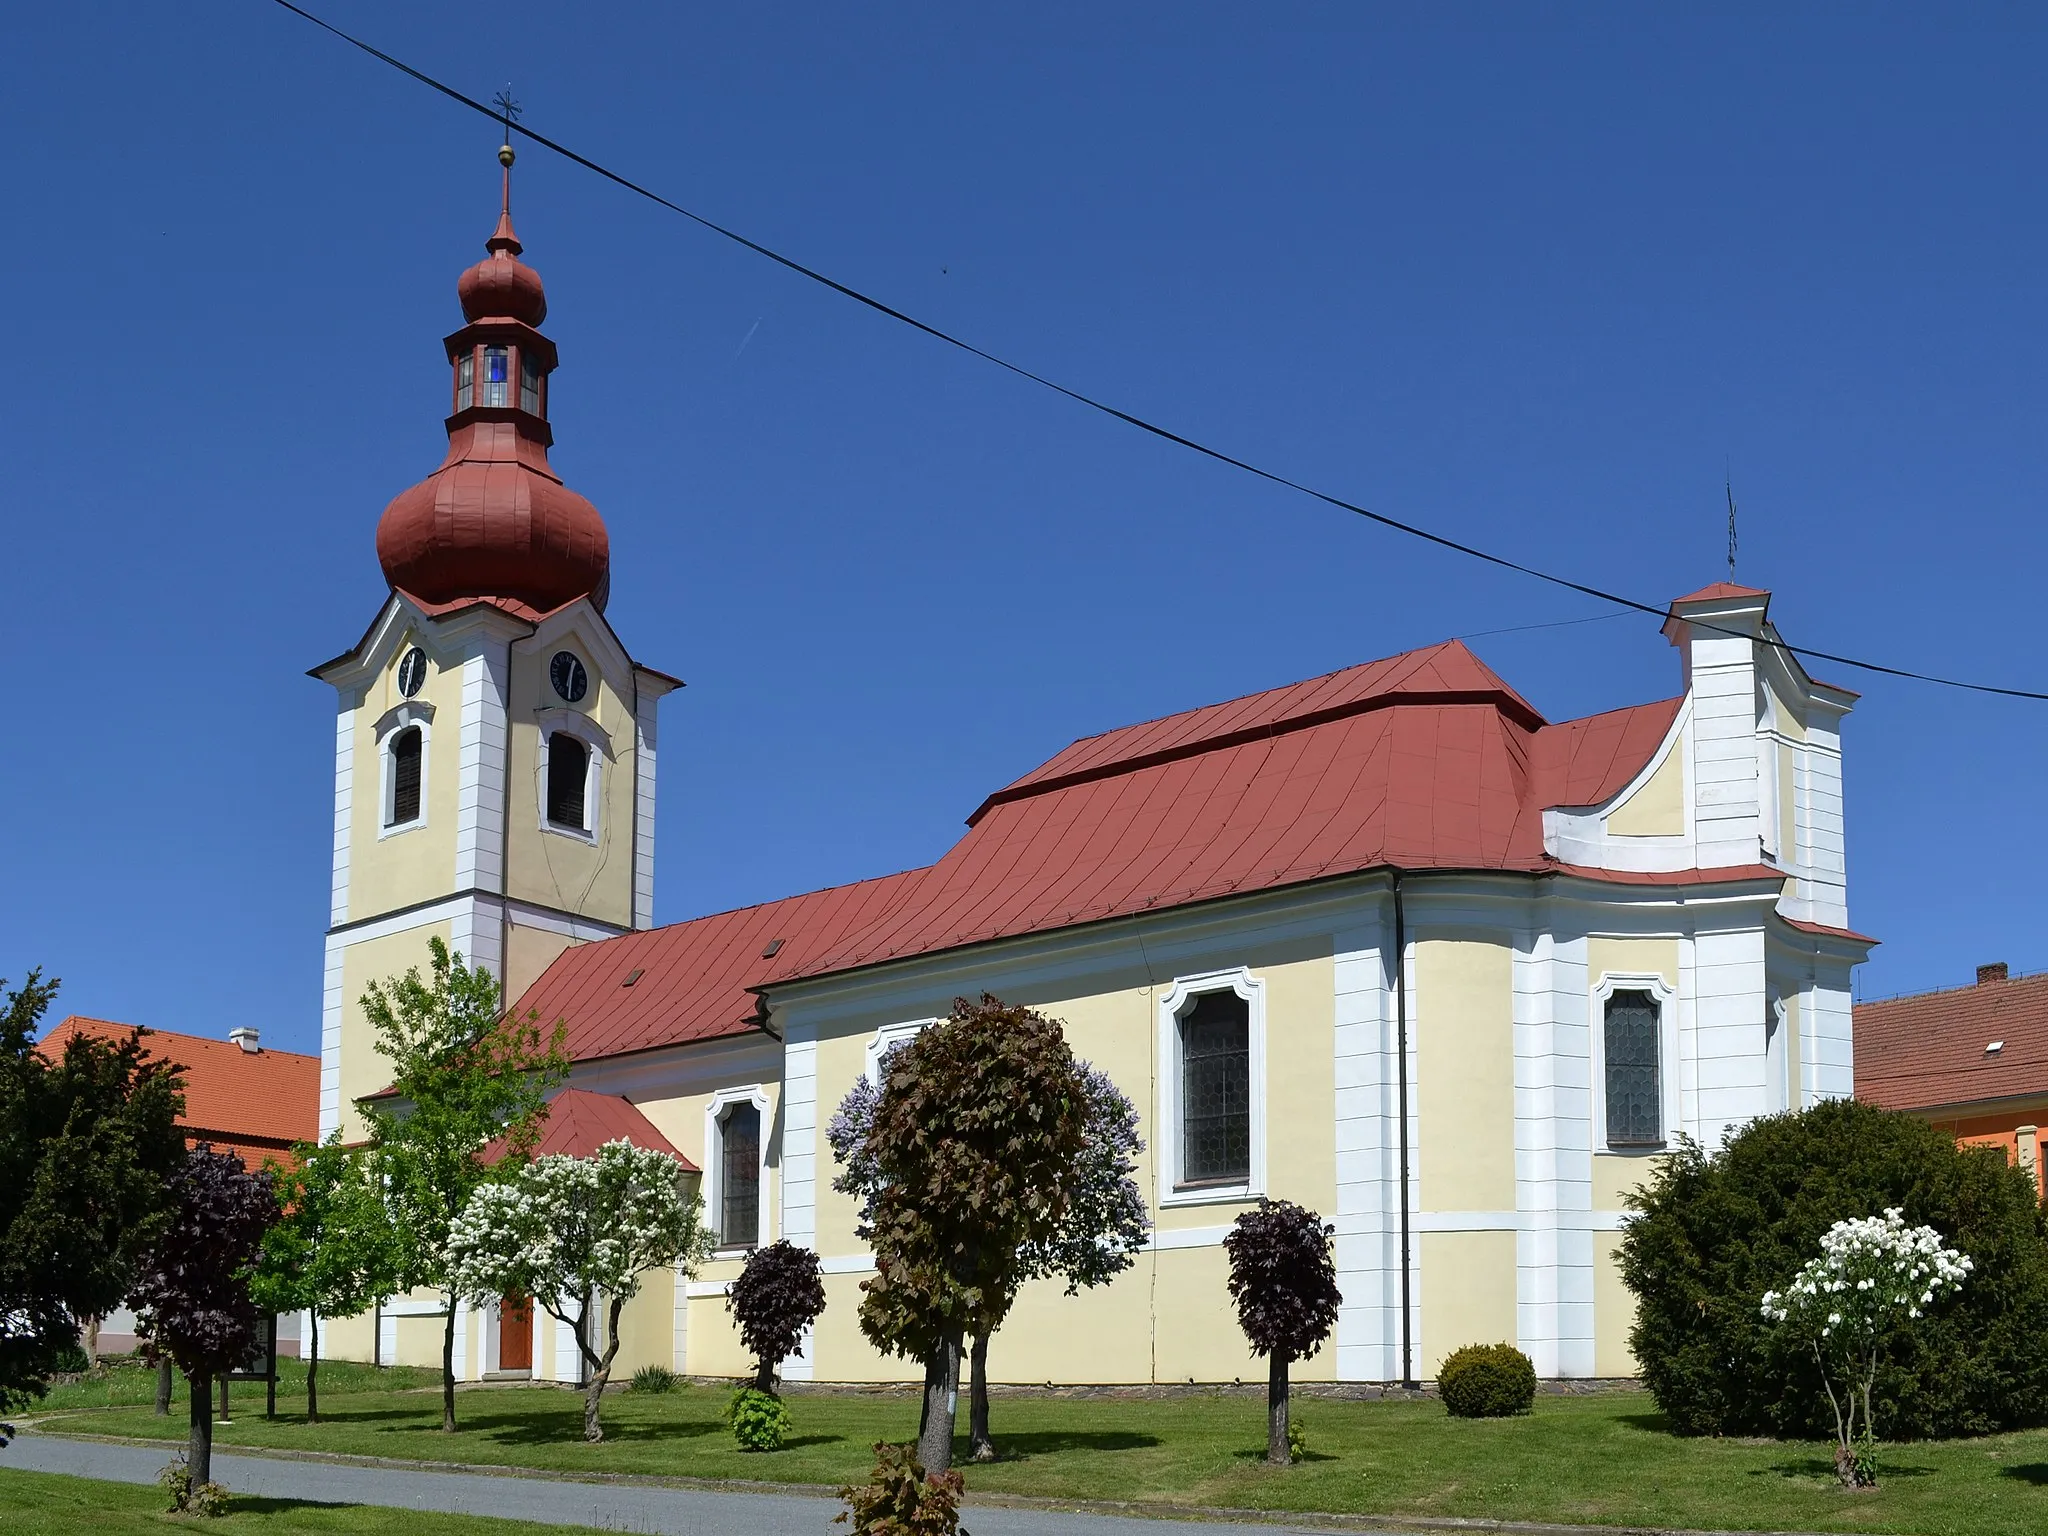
[(1873, 1275), (574, 1233)]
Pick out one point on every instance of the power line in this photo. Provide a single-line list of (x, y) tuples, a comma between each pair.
[(1273, 477)]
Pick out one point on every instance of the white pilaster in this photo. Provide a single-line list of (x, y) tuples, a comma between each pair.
[(645, 732), (1367, 1260)]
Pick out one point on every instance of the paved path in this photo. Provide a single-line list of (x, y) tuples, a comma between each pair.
[(654, 1511)]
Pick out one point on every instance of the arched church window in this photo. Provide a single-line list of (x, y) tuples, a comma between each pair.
[(739, 1177), (1635, 1093), (465, 381), (497, 376), (568, 779), (529, 383), (404, 802)]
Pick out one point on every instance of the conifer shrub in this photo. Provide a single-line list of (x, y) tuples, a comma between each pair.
[(1717, 1231), (1487, 1381)]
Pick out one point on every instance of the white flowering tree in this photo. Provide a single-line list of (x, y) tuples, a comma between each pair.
[(1873, 1275), (577, 1233)]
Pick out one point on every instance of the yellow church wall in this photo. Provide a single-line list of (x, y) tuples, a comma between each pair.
[(681, 1119), (1657, 808), (1788, 828), (419, 1341), (1108, 1335), (349, 1338), (1614, 1309), (550, 867), (1465, 1076), (647, 1325), (528, 952), (364, 1069), (1615, 1175), (403, 867), (713, 1342), (1468, 1292)]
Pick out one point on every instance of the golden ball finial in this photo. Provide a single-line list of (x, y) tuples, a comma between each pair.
[(505, 156)]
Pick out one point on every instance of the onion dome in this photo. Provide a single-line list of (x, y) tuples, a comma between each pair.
[(495, 520)]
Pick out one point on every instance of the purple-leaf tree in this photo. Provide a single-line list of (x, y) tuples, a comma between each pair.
[(777, 1296), (192, 1299), (1284, 1282), (1104, 1228)]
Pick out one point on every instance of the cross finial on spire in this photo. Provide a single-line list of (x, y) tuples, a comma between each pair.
[(1730, 487), (504, 239)]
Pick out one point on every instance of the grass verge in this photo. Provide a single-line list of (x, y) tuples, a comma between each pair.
[(1598, 1459), (46, 1504)]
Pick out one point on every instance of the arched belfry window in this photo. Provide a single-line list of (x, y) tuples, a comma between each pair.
[(568, 782), (497, 376), (739, 1176), (402, 793)]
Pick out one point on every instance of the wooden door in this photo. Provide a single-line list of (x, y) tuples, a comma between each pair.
[(515, 1334)]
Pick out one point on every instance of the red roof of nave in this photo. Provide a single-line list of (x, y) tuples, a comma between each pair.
[(1423, 761), (263, 1099)]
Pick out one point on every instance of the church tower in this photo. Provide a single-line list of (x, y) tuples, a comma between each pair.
[(494, 743)]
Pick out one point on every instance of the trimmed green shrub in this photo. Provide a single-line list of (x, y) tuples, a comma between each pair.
[(654, 1378), (1487, 1381), (758, 1419), (1718, 1231)]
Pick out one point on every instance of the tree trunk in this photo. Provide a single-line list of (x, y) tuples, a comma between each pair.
[(224, 1418), (1277, 1452), (313, 1370), (448, 1371), (979, 1446), (593, 1391), (764, 1376), (199, 1449), (941, 1391), (163, 1388)]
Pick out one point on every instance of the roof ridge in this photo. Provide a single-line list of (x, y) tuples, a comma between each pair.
[(756, 906)]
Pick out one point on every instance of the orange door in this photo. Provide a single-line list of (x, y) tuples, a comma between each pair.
[(515, 1334)]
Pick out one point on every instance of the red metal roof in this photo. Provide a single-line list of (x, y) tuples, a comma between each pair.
[(1928, 1051), (1717, 591), (578, 1122), (249, 1101), (1422, 761), (689, 981)]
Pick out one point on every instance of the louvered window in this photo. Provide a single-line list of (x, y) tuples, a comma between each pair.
[(739, 1177), (1215, 1093), (568, 775), (405, 777), (1635, 1102)]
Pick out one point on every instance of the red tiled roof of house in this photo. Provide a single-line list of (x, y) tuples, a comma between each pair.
[(1930, 1050), (259, 1101), (578, 1122), (689, 981)]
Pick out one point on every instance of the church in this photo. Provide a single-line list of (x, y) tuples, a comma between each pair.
[(1388, 943)]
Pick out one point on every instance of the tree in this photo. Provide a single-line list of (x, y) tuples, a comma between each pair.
[(88, 1142), (578, 1232), (1284, 1282), (977, 1131), (777, 1296), (1873, 1277), (192, 1298), (1714, 1232), (463, 1078), (1105, 1228), (332, 1253)]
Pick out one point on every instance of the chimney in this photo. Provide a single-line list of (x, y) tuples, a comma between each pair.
[(1995, 971), (248, 1040)]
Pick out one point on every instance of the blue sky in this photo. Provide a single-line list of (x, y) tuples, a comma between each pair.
[(1530, 275)]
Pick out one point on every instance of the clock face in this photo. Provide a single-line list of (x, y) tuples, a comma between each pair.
[(568, 676), (412, 672)]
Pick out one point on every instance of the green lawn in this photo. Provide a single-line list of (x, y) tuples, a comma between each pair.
[(41, 1504), (1603, 1459)]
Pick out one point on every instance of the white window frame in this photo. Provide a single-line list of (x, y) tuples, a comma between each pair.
[(410, 714), (597, 748), (1172, 1004), (1666, 996), (714, 1168), (887, 1038)]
